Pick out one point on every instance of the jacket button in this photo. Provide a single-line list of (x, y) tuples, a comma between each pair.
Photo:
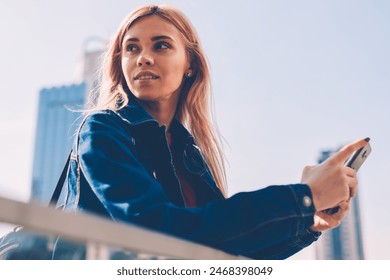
[(307, 202)]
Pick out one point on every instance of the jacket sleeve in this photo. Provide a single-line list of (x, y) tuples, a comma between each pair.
[(263, 224)]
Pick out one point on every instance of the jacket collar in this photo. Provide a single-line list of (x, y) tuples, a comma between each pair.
[(137, 116)]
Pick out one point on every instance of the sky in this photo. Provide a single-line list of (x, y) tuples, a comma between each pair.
[(290, 78)]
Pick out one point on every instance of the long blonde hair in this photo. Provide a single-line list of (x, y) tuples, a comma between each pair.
[(193, 110)]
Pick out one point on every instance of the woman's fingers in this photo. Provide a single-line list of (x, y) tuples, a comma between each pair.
[(351, 180), (331, 182), (335, 219), (349, 171), (352, 183), (344, 207), (344, 153)]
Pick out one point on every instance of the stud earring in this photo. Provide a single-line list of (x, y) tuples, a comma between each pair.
[(189, 74)]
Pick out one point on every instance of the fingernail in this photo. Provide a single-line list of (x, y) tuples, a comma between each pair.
[(367, 139)]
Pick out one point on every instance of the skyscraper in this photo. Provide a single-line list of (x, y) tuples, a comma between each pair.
[(344, 242), (56, 125), (90, 75), (92, 60), (58, 118)]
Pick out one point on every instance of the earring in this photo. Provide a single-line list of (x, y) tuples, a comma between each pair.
[(189, 74)]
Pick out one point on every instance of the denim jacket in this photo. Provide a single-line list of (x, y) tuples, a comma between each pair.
[(122, 169)]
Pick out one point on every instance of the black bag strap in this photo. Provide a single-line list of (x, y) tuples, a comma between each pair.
[(60, 183)]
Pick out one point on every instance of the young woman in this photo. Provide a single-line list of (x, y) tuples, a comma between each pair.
[(148, 153)]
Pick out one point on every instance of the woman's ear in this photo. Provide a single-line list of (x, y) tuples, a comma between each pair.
[(191, 70), (192, 67), (189, 73)]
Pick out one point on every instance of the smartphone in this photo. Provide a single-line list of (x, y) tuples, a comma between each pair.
[(357, 159), (355, 162)]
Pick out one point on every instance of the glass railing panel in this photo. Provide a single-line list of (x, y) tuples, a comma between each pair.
[(20, 243)]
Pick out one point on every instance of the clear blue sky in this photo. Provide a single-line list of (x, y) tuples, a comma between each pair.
[(290, 78)]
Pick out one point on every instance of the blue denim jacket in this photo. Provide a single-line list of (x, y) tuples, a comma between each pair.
[(122, 169)]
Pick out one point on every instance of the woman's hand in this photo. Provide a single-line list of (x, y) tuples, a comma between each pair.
[(331, 182), (324, 221)]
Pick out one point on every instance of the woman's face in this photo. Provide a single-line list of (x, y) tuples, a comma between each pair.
[(154, 60)]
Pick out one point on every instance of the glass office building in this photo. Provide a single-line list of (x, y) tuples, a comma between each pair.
[(56, 125), (58, 119)]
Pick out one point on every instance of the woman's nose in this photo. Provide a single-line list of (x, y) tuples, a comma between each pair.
[(145, 59)]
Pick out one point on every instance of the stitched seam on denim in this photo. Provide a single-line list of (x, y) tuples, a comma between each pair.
[(67, 186), (257, 227), (274, 252), (80, 168), (129, 131), (297, 241), (297, 203), (78, 181), (278, 253), (127, 121), (301, 215), (143, 120), (289, 246)]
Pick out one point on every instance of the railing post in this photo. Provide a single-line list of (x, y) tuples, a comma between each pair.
[(96, 251)]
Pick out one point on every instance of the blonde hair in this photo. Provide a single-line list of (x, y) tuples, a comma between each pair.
[(193, 109)]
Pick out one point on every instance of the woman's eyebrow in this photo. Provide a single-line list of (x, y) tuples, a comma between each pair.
[(161, 37), (131, 39), (154, 38)]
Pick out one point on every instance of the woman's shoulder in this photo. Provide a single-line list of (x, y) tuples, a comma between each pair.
[(98, 119), (99, 114)]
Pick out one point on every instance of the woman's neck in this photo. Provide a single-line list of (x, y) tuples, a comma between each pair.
[(163, 112)]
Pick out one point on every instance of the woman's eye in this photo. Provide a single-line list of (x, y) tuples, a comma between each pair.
[(162, 46), (131, 48)]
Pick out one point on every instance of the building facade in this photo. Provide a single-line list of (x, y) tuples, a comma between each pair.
[(59, 115), (56, 125)]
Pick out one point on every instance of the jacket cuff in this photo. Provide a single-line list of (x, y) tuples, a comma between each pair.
[(304, 206), (307, 238)]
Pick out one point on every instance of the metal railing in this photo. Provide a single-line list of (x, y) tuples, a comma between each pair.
[(99, 231)]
